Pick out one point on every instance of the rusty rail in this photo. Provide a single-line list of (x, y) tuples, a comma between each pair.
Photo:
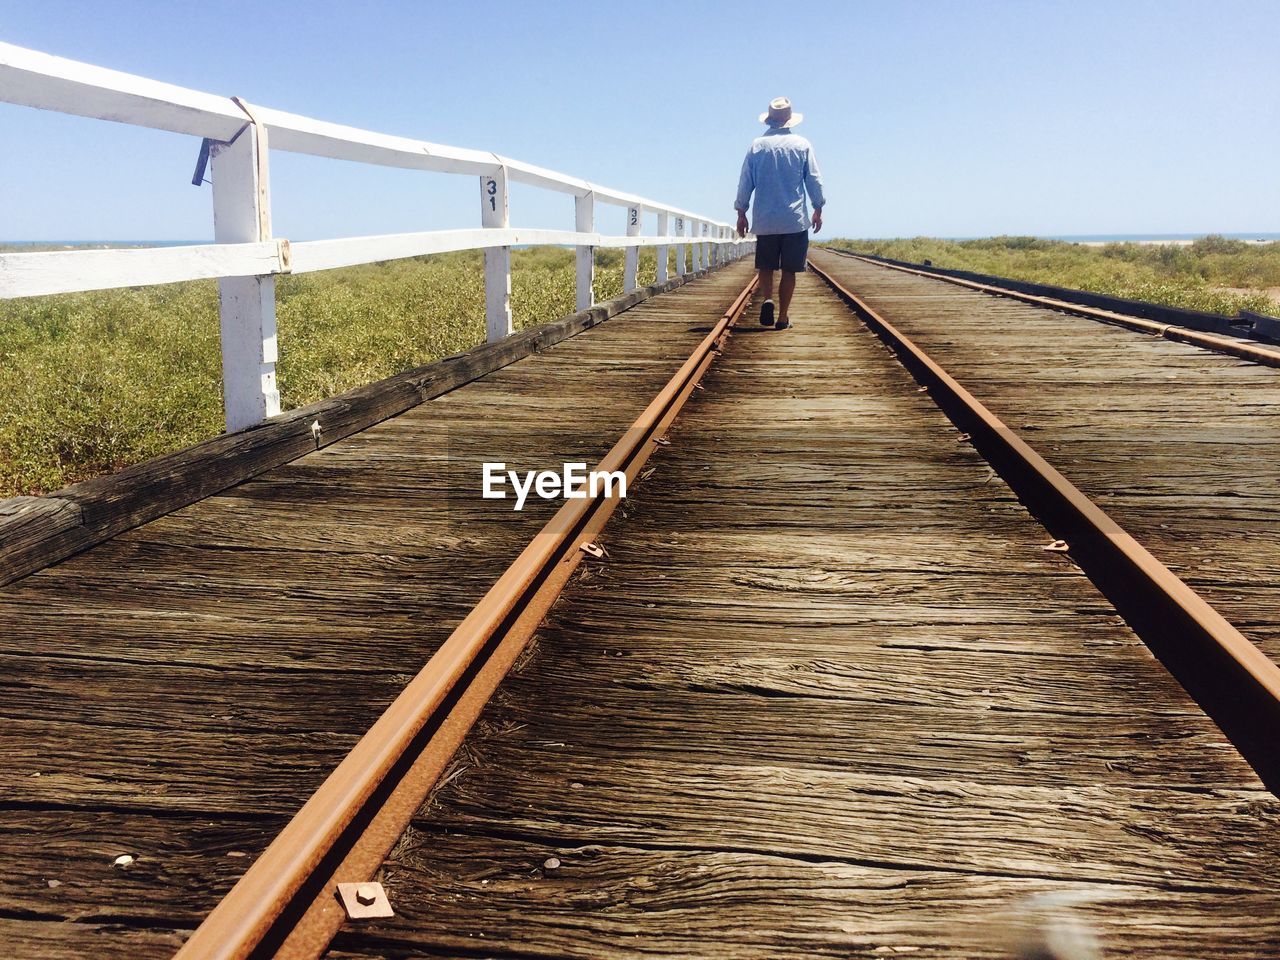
[(1234, 681), (284, 904), (1169, 331)]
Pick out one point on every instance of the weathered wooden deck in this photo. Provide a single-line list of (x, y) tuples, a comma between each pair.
[(1178, 443), (176, 693), (827, 695)]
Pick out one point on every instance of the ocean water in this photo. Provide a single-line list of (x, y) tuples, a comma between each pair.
[(99, 243), (1134, 237)]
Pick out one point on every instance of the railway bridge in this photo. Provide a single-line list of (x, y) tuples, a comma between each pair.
[(940, 624)]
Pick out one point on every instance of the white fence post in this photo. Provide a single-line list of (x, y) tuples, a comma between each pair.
[(497, 260), (706, 247), (679, 247), (247, 305), (695, 248), (661, 275), (585, 222), (631, 261)]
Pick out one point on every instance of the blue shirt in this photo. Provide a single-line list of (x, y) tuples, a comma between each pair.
[(779, 168)]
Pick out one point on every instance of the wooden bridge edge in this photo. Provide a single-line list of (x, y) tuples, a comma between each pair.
[(36, 532)]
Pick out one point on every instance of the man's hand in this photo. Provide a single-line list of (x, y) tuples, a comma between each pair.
[(817, 220), (742, 223)]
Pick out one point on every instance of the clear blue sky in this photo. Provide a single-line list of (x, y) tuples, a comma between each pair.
[(954, 119)]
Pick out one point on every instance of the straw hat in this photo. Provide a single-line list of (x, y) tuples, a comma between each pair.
[(780, 114)]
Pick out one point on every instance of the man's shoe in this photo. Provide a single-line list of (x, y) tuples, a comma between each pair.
[(766, 314), (783, 323)]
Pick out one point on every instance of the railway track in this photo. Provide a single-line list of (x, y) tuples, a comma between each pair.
[(179, 690), (1233, 346), (822, 650), (1238, 685), (284, 905), (790, 676)]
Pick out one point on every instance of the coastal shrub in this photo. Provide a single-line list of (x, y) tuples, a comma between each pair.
[(1214, 274)]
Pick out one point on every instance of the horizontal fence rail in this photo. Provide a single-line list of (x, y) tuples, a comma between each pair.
[(245, 257)]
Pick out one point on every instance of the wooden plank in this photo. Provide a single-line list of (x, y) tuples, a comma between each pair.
[(246, 304), (29, 937), (1000, 737), (320, 138), (585, 222), (309, 256), (39, 80), (631, 261), (1082, 834), (662, 258), (72, 859), (495, 215), (679, 247), (70, 271), (612, 900), (272, 696), (25, 522)]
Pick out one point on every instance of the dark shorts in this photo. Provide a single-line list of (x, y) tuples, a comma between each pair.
[(782, 250)]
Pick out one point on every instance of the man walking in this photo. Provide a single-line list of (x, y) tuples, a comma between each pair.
[(780, 168)]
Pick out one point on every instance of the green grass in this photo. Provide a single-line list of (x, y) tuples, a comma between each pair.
[(1190, 276), (93, 382)]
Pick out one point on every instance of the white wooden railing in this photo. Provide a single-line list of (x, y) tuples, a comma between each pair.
[(246, 257)]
